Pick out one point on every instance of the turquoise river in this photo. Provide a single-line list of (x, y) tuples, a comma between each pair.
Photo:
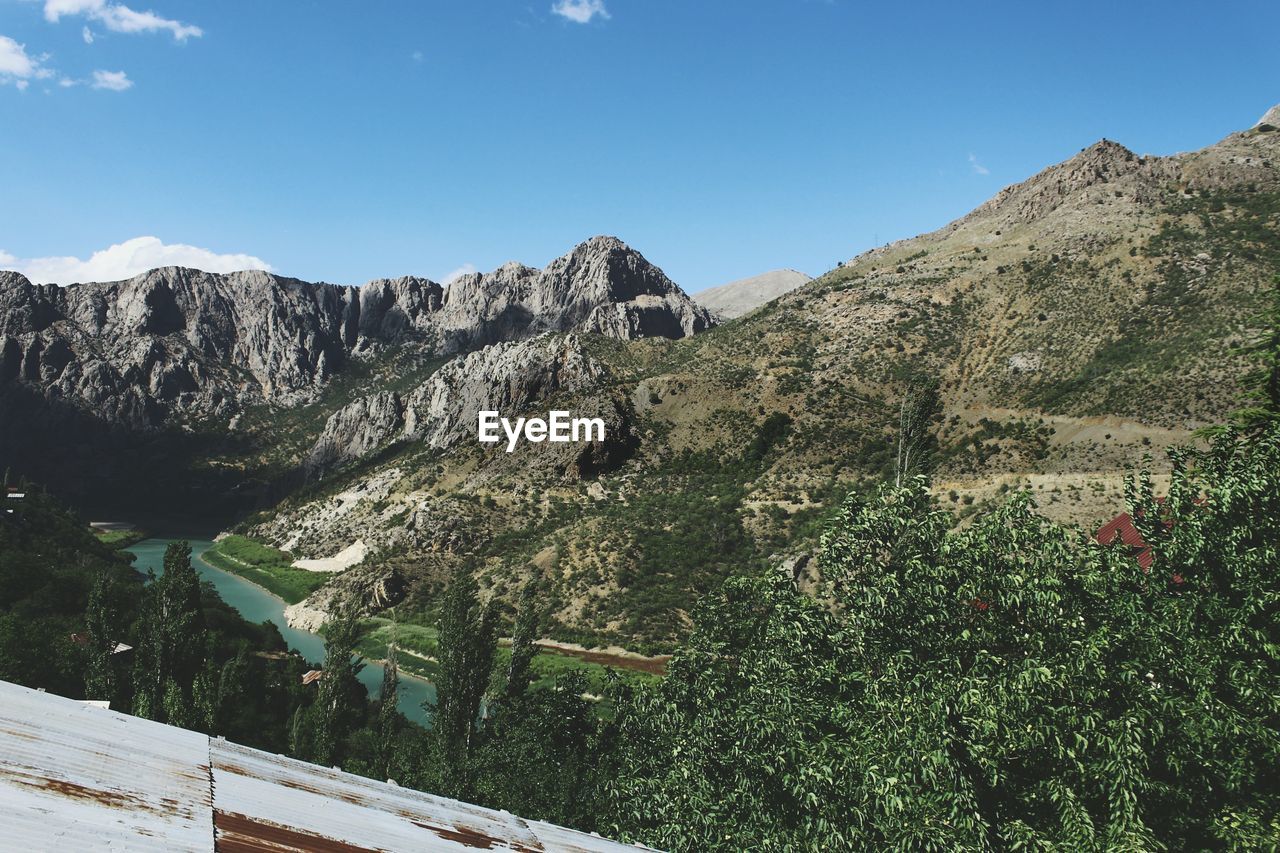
[(257, 605)]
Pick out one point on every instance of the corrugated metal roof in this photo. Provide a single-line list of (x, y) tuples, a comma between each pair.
[(75, 777), (83, 778), (1122, 526)]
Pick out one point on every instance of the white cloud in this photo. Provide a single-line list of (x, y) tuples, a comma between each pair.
[(127, 259), (119, 18), (465, 269), (115, 81), (580, 11), (978, 168), (19, 67), (87, 35)]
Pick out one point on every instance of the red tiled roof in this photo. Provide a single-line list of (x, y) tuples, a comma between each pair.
[(1122, 526)]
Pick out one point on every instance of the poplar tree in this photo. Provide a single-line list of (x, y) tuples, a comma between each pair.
[(173, 644), (336, 709), (920, 408), (467, 645), (102, 627), (388, 713), (523, 650)]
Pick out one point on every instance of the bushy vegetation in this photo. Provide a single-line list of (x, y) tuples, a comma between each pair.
[(48, 565), (194, 661), (1010, 685)]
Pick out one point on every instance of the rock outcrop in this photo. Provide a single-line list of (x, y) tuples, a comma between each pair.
[(602, 286), (508, 377)]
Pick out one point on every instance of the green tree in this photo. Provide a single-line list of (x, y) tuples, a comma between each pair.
[(340, 697), (173, 644), (1009, 685), (523, 648), (920, 408), (745, 745), (538, 757), (103, 628), (389, 717), (1263, 383), (467, 645)]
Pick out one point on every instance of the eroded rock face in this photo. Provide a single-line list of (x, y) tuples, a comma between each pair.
[(371, 589), (177, 340), (509, 378), (602, 286)]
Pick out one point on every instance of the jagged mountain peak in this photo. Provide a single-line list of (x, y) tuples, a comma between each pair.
[(174, 339), (602, 243), (1271, 118)]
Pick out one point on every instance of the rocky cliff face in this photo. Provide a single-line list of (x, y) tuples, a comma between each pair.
[(182, 341), (508, 377), (179, 340), (602, 286)]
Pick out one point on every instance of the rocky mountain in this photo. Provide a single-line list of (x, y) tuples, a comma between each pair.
[(602, 286), (88, 364), (732, 300), (1095, 313), (443, 411), (179, 340)]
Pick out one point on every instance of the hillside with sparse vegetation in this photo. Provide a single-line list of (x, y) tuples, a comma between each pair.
[(1098, 313)]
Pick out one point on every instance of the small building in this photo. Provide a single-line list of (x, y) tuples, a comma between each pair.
[(311, 676), (1122, 527), (81, 639)]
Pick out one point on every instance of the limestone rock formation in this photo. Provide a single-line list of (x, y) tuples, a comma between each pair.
[(176, 340), (507, 377), (602, 286)]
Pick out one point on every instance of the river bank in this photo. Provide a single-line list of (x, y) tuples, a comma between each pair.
[(259, 605)]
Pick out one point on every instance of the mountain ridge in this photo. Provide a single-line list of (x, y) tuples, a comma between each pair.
[(732, 300), (1049, 314), (1085, 317)]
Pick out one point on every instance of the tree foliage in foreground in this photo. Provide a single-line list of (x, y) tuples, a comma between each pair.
[(1009, 685)]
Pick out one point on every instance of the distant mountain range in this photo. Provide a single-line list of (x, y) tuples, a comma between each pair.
[(1096, 312), (732, 300)]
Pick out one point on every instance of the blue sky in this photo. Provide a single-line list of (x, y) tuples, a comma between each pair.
[(722, 138)]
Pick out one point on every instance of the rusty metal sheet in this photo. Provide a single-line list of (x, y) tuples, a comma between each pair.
[(269, 802), (76, 777)]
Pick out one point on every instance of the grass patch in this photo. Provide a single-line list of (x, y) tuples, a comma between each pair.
[(418, 645), (120, 539), (265, 566)]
